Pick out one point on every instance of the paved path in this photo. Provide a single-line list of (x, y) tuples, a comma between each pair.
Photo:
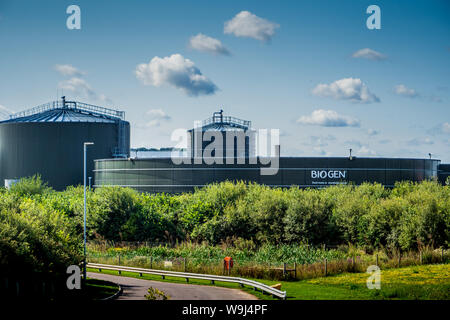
[(136, 289)]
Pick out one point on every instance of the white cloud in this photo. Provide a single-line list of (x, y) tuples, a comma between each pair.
[(328, 118), (158, 114), (402, 90), (153, 123), (445, 127), (246, 24), (320, 151), (420, 141), (204, 43), (372, 132), (175, 71), (354, 143), (80, 87), (370, 54), (350, 89), (365, 151), (320, 141), (68, 70), (442, 128)]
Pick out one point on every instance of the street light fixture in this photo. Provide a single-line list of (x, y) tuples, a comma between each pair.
[(84, 176)]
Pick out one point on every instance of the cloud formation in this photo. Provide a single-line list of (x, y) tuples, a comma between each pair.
[(328, 118), (420, 141), (402, 90), (445, 127), (157, 116), (351, 89), (78, 86), (246, 24), (320, 141), (366, 151), (370, 54), (175, 71), (68, 70), (204, 43)]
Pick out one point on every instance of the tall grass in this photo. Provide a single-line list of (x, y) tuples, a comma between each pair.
[(265, 262)]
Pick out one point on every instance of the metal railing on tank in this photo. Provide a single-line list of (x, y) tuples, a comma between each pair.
[(75, 105)]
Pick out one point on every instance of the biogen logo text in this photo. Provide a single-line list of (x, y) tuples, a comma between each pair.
[(332, 174)]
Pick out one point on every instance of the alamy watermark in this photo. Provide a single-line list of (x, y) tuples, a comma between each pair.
[(228, 147), (374, 20), (74, 279), (74, 20), (374, 280)]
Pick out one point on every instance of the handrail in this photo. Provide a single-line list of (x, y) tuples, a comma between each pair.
[(83, 107), (227, 120), (187, 275)]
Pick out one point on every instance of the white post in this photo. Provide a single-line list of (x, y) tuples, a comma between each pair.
[(84, 178)]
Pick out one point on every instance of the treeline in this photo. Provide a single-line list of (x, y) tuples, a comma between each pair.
[(370, 216)]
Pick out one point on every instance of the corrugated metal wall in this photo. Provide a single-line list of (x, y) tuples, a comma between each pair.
[(161, 175), (54, 150)]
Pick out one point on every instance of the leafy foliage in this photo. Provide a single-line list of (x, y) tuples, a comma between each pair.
[(41, 227)]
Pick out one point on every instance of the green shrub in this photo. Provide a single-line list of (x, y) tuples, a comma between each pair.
[(30, 186)]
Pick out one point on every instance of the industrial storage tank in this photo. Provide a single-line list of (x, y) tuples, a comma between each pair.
[(238, 139), (170, 175), (156, 175), (48, 140)]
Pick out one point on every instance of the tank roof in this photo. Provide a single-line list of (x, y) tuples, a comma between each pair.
[(220, 122), (67, 111)]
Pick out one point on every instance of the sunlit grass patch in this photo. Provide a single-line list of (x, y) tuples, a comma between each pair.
[(414, 282)]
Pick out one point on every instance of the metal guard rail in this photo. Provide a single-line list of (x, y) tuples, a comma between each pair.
[(187, 275)]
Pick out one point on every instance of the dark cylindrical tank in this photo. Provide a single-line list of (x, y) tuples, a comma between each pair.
[(236, 138), (162, 175), (50, 143)]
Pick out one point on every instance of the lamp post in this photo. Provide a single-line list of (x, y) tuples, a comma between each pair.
[(84, 176)]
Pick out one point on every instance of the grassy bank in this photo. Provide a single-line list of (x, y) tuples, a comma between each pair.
[(413, 282), (265, 262), (99, 289)]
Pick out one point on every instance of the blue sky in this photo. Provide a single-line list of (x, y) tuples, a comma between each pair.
[(290, 66)]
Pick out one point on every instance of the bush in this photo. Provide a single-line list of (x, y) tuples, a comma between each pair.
[(35, 238), (30, 186), (368, 216)]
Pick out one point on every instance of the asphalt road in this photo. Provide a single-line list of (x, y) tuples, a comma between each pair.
[(136, 289)]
